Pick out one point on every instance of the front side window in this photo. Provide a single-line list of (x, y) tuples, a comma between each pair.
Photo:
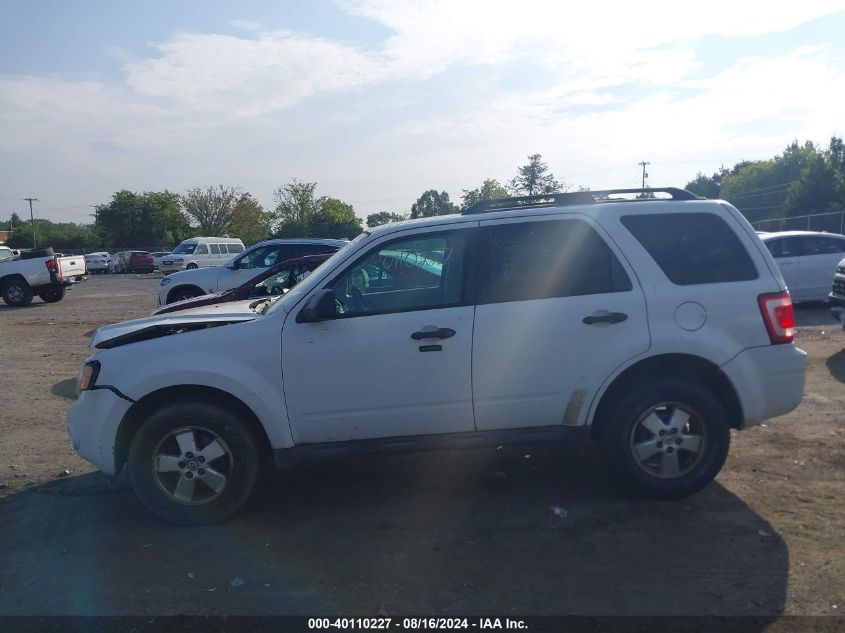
[(202, 249), (787, 247), (185, 249), (276, 284), (411, 273), (261, 257), (547, 259), (692, 248)]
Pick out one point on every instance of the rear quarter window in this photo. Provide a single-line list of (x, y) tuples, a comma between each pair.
[(692, 248)]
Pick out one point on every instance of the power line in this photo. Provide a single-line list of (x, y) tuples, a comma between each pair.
[(765, 190)]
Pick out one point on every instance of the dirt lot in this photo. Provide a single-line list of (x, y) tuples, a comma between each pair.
[(460, 533)]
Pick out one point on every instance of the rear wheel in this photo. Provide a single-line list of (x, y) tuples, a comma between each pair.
[(667, 439), (53, 296), (16, 293), (193, 463)]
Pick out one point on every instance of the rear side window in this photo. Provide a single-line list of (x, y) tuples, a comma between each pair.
[(692, 248), (818, 245), (555, 258), (215, 249)]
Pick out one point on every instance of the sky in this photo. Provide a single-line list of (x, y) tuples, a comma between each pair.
[(380, 100)]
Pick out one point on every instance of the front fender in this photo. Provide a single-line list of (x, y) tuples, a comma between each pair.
[(240, 359)]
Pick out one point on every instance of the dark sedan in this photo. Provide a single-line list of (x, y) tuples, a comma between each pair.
[(273, 281)]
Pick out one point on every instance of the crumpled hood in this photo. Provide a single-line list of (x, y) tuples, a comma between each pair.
[(183, 321)]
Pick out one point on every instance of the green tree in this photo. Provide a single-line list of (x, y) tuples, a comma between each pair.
[(490, 189), (432, 203), (759, 188), (534, 178), (301, 213), (383, 217), (150, 219), (250, 221), (707, 186), (211, 208), (821, 185), (335, 219)]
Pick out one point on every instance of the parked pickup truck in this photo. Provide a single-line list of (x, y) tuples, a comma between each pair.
[(39, 273)]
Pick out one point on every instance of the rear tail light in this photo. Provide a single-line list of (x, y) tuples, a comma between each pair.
[(55, 268), (778, 316)]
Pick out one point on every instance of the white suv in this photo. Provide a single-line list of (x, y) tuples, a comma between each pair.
[(652, 326)]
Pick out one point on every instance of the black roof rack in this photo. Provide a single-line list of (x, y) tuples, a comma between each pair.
[(576, 197)]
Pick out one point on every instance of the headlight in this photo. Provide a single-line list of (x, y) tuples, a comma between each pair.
[(179, 260), (840, 270), (165, 281), (87, 378)]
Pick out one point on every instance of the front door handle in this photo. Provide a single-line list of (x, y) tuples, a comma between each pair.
[(610, 317), (440, 333)]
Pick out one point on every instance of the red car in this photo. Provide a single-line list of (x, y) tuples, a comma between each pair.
[(139, 261), (274, 281)]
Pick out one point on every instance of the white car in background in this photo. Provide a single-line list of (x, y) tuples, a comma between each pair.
[(807, 260), (98, 263), (201, 252), (193, 283), (158, 256)]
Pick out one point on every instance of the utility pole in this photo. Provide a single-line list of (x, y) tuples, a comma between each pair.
[(32, 218), (95, 207), (643, 163)]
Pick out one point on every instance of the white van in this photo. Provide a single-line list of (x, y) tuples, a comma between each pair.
[(201, 252)]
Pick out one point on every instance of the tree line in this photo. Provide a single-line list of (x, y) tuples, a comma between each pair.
[(803, 179)]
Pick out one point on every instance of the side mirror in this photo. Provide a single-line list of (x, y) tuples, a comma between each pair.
[(232, 265), (322, 306)]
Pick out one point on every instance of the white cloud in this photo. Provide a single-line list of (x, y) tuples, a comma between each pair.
[(198, 88)]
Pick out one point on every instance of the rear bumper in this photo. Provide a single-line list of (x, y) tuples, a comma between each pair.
[(768, 380)]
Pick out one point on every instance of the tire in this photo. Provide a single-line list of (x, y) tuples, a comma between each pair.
[(162, 468), (191, 266), (645, 458), (16, 293), (185, 292), (53, 296)]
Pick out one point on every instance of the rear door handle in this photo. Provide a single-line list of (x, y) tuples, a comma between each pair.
[(611, 317), (440, 333)]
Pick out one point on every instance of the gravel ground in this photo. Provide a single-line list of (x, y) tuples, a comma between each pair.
[(504, 532)]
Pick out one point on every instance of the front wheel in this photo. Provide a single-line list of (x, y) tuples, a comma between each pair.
[(181, 294), (191, 266), (16, 293), (193, 463), (666, 439), (53, 296)]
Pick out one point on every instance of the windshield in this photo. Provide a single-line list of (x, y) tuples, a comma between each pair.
[(5, 253), (313, 279), (185, 249)]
